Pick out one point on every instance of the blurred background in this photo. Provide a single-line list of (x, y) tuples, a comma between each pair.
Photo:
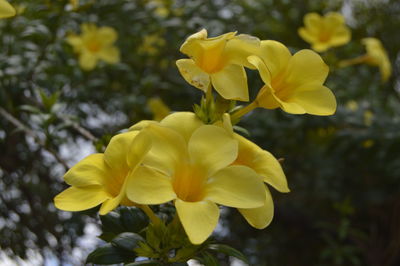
[(343, 170)]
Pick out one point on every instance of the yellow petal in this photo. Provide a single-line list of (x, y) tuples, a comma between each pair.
[(340, 36), (262, 162), (116, 153), (240, 47), (231, 83), (334, 19), (6, 10), (236, 186), (275, 55), (79, 199), (109, 205), (304, 67), (142, 124), (315, 99), (190, 45), (109, 54), (320, 46), (198, 219), (312, 21), (183, 122), (92, 170), (87, 61), (107, 35), (148, 186), (193, 74), (264, 72), (212, 148), (308, 36), (76, 42), (262, 216), (139, 147), (168, 150)]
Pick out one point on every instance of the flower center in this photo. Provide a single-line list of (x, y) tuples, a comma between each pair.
[(93, 46), (210, 57), (188, 183)]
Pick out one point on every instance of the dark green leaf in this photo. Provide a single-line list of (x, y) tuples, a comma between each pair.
[(112, 223), (108, 254), (208, 259), (133, 219), (127, 240), (225, 249)]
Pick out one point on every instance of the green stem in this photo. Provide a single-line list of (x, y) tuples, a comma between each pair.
[(209, 94), (237, 115), (149, 212)]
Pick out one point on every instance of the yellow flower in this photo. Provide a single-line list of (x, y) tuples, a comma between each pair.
[(249, 154), (192, 165), (325, 32), (6, 10), (158, 108), (102, 178), (218, 61), (377, 56), (151, 44), (95, 44), (293, 83), (368, 118), (74, 3)]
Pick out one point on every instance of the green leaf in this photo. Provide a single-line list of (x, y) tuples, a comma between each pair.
[(225, 249), (208, 259), (108, 254), (107, 236), (133, 219), (127, 240), (112, 223), (242, 131)]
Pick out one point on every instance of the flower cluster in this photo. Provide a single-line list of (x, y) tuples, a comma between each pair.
[(195, 162)]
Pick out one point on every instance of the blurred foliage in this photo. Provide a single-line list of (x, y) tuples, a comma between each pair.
[(343, 170)]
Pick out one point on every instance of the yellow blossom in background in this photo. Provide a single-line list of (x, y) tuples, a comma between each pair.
[(158, 108), (293, 83), (74, 3), (368, 143), (325, 32), (151, 44), (377, 56), (102, 178), (352, 105), (218, 61), (95, 44), (368, 118), (6, 9), (192, 165)]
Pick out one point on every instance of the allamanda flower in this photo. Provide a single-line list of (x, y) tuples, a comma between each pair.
[(293, 83), (376, 56), (102, 178), (325, 32), (218, 61), (6, 10), (194, 170), (95, 44), (249, 154)]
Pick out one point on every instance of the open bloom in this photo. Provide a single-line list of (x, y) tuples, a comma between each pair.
[(102, 178), (218, 61), (249, 154), (376, 56), (95, 44), (293, 83), (194, 170), (325, 32), (6, 10)]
